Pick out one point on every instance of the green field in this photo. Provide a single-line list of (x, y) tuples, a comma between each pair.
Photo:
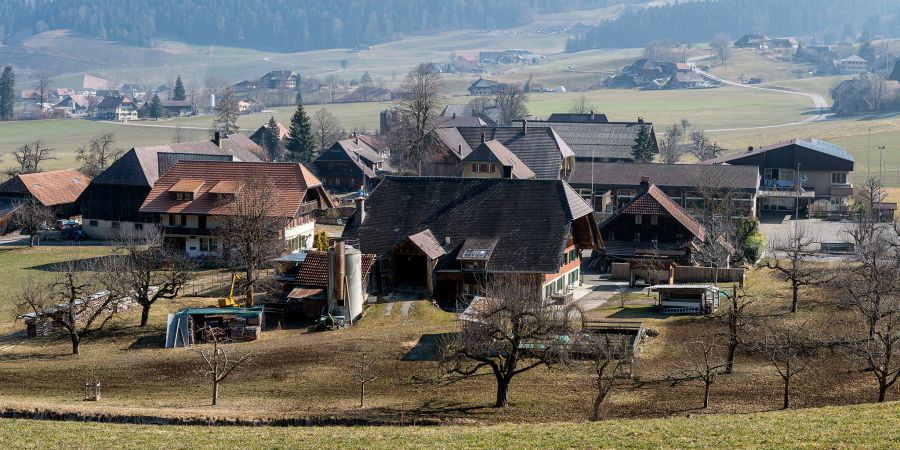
[(869, 426)]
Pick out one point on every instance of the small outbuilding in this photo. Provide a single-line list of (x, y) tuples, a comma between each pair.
[(686, 298), (194, 325)]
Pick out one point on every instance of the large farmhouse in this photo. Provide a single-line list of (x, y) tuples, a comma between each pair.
[(445, 235)]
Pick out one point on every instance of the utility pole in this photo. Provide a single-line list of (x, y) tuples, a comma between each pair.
[(797, 200), (593, 200), (881, 166), (868, 160)]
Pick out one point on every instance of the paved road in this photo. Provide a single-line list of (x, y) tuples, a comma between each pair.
[(819, 102)]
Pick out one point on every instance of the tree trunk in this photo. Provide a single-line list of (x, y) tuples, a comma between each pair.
[(362, 394), (215, 393), (502, 393), (145, 314), (729, 363), (794, 289), (787, 394), (76, 343), (882, 391), (706, 395), (598, 406), (31, 240)]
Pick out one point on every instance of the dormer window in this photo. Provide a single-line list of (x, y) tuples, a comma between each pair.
[(185, 190), (183, 196)]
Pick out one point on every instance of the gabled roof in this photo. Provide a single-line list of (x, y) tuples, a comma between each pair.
[(56, 187), (578, 117), (540, 148), (598, 140), (313, 271), (356, 151), (113, 102), (494, 151), (483, 83), (529, 219), (853, 58), (290, 180), (628, 174), (655, 202), (260, 133), (140, 165), (426, 242)]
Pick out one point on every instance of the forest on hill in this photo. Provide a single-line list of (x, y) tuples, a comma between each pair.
[(278, 25), (685, 22)]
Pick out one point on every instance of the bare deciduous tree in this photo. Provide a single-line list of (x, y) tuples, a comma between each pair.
[(610, 358), (737, 320), (721, 43), (880, 354), (98, 154), (227, 111), (702, 148), (363, 374), (32, 216), (326, 129), (703, 362), (220, 362), (29, 158), (790, 259), (418, 112), (251, 235), (512, 102), (150, 270), (790, 349), (42, 86), (68, 299), (670, 150), (178, 135), (582, 105), (510, 314), (661, 51)]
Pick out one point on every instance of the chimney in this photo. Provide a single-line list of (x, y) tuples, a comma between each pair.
[(360, 210), (217, 138), (339, 287), (592, 115), (750, 149), (356, 140), (482, 141), (459, 149), (454, 115), (640, 120), (645, 184), (524, 126)]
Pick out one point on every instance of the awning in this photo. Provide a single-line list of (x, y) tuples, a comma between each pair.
[(300, 292)]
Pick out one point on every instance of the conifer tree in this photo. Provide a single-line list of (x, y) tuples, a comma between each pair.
[(272, 140), (7, 93), (156, 107), (642, 150), (179, 93), (300, 143)]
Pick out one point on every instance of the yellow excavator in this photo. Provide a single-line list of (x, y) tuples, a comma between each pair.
[(229, 301)]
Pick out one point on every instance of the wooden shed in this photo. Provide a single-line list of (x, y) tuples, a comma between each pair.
[(686, 298)]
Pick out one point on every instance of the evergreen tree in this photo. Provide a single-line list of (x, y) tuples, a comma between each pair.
[(301, 145), (272, 140), (7, 94), (227, 112), (156, 107), (867, 52), (642, 150), (895, 75), (179, 93)]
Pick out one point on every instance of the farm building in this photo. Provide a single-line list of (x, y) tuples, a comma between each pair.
[(686, 298), (56, 189)]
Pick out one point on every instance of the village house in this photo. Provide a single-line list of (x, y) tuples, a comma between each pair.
[(349, 165), (466, 64), (190, 199), (259, 136), (801, 173), (593, 140), (616, 184), (492, 159), (171, 108), (651, 226), (851, 65), (73, 105), (754, 41), (246, 105), (578, 117), (485, 87), (861, 96), (117, 108), (111, 203), (280, 79), (512, 56), (539, 147), (57, 190), (687, 80), (445, 236)]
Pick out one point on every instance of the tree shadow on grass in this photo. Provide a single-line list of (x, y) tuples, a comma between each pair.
[(155, 340), (428, 348), (84, 264)]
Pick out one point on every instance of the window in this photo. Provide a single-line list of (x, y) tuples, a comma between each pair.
[(637, 237), (839, 178), (181, 196), (138, 226), (611, 236), (492, 168), (654, 220), (638, 219), (92, 223), (115, 224)]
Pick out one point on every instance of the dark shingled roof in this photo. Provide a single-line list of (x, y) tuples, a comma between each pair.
[(656, 202), (598, 140), (625, 174), (140, 165), (815, 154), (529, 219), (494, 151), (540, 148), (578, 117)]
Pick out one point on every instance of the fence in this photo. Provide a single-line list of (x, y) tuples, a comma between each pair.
[(199, 287), (691, 274), (621, 271)]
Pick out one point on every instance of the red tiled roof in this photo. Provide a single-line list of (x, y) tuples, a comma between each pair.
[(314, 269), (57, 187), (656, 202), (290, 182), (186, 185)]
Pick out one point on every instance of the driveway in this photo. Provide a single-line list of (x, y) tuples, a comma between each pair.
[(779, 227), (596, 290)]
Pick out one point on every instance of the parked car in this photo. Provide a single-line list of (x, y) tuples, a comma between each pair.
[(62, 224), (73, 233)]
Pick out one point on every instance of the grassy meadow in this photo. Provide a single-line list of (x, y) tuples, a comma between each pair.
[(868, 426)]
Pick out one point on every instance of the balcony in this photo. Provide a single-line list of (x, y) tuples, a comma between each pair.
[(185, 231), (308, 207)]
